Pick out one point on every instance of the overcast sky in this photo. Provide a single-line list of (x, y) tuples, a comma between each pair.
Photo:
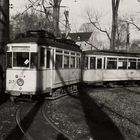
[(77, 9)]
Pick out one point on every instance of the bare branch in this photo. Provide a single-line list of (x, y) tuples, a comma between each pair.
[(132, 23), (100, 29), (92, 45), (96, 24)]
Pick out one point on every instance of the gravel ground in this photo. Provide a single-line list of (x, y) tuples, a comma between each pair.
[(115, 111), (81, 122), (65, 115), (122, 106), (101, 114)]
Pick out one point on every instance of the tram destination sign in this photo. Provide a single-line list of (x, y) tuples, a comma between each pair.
[(21, 48)]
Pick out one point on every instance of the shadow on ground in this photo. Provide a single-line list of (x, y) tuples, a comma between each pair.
[(61, 137), (100, 125), (3, 98), (16, 133)]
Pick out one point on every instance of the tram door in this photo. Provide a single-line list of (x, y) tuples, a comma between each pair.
[(45, 73), (49, 67)]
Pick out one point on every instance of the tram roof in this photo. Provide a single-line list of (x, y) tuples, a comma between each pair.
[(57, 43), (111, 53)]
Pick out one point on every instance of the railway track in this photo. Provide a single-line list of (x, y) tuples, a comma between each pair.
[(20, 125), (30, 134), (132, 90), (120, 115), (130, 123), (52, 124), (118, 108), (106, 107)]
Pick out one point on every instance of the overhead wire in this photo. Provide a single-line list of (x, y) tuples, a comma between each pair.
[(32, 6), (20, 14)]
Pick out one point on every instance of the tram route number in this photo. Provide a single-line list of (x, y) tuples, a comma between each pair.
[(11, 81)]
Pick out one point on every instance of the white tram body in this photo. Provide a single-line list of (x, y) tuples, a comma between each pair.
[(37, 64), (107, 66)]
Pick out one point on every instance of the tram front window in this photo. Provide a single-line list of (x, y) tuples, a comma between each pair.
[(9, 60), (21, 59)]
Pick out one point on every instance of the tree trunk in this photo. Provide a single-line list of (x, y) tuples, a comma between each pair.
[(56, 21), (56, 12), (4, 23), (115, 6), (114, 30)]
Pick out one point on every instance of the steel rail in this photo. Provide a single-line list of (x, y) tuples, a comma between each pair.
[(26, 134), (53, 125)]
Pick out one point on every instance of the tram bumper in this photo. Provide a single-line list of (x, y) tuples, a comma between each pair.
[(19, 93)]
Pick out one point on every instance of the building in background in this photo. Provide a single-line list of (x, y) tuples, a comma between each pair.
[(82, 39)]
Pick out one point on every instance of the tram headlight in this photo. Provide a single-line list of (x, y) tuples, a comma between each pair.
[(20, 82)]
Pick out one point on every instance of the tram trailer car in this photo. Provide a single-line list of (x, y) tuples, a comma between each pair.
[(111, 68), (38, 63)]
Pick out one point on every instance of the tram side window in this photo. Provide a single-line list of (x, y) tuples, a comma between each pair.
[(104, 62), (21, 59), (78, 62), (66, 61), (42, 57), (131, 63), (48, 58), (99, 63), (122, 63), (111, 63), (86, 62), (9, 60), (72, 64), (33, 60), (138, 64), (58, 61), (92, 62)]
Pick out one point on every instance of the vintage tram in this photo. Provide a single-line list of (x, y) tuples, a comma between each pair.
[(111, 67), (39, 63)]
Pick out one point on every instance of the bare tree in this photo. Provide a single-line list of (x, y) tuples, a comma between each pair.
[(46, 6), (122, 34), (94, 20), (27, 21), (96, 23), (115, 6), (132, 22), (43, 7), (93, 41), (56, 12)]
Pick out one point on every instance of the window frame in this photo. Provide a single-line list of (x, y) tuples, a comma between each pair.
[(59, 52), (122, 59), (94, 62), (48, 50), (11, 60), (114, 59), (130, 61), (99, 58), (36, 58), (44, 58), (72, 55), (86, 62), (20, 67)]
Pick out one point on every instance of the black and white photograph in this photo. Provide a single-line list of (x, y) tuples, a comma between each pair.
[(69, 69)]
